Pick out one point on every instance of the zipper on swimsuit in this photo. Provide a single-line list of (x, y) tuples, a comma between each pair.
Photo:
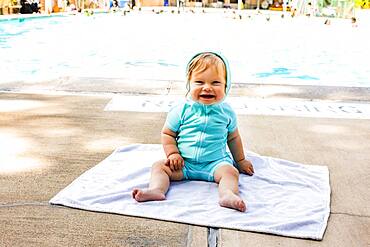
[(200, 140)]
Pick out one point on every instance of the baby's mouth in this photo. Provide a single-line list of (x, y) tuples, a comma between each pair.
[(207, 96)]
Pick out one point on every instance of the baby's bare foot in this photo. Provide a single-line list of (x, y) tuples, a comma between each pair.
[(147, 195), (230, 200)]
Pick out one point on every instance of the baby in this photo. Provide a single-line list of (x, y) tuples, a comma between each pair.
[(195, 135)]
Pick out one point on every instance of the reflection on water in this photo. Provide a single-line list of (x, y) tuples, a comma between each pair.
[(285, 73)]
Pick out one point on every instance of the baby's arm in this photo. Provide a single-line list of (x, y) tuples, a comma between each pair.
[(174, 159), (234, 142)]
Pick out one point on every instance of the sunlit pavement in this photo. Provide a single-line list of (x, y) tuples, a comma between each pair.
[(48, 139), (51, 132)]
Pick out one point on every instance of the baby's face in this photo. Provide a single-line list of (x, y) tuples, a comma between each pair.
[(208, 86)]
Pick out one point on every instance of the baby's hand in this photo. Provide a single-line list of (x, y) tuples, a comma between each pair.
[(245, 166), (175, 162)]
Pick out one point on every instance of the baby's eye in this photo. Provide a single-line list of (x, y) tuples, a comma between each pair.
[(216, 83), (198, 82)]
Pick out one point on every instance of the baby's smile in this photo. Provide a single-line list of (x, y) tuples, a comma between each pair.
[(207, 96)]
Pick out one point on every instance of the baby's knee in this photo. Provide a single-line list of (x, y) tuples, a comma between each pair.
[(158, 165), (161, 166), (233, 171), (228, 170)]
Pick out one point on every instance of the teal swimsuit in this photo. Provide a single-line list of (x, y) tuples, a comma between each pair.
[(202, 132)]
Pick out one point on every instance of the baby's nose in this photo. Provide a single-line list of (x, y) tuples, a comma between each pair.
[(207, 87)]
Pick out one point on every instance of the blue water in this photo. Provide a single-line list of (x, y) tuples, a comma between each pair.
[(148, 46), (284, 73)]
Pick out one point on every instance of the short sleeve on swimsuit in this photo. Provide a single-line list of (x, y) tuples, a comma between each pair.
[(174, 117), (231, 127)]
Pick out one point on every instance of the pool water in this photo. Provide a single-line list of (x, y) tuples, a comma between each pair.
[(145, 45)]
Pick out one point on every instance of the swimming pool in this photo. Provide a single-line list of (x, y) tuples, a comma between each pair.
[(144, 45)]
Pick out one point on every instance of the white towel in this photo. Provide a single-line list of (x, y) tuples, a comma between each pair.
[(283, 197)]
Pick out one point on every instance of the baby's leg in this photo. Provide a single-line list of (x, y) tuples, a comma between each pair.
[(227, 177), (158, 185)]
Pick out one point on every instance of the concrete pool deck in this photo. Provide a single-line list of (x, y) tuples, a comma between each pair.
[(51, 132)]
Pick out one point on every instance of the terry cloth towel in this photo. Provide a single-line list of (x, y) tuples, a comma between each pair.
[(283, 197)]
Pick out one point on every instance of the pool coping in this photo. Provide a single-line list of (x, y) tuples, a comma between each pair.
[(106, 86)]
